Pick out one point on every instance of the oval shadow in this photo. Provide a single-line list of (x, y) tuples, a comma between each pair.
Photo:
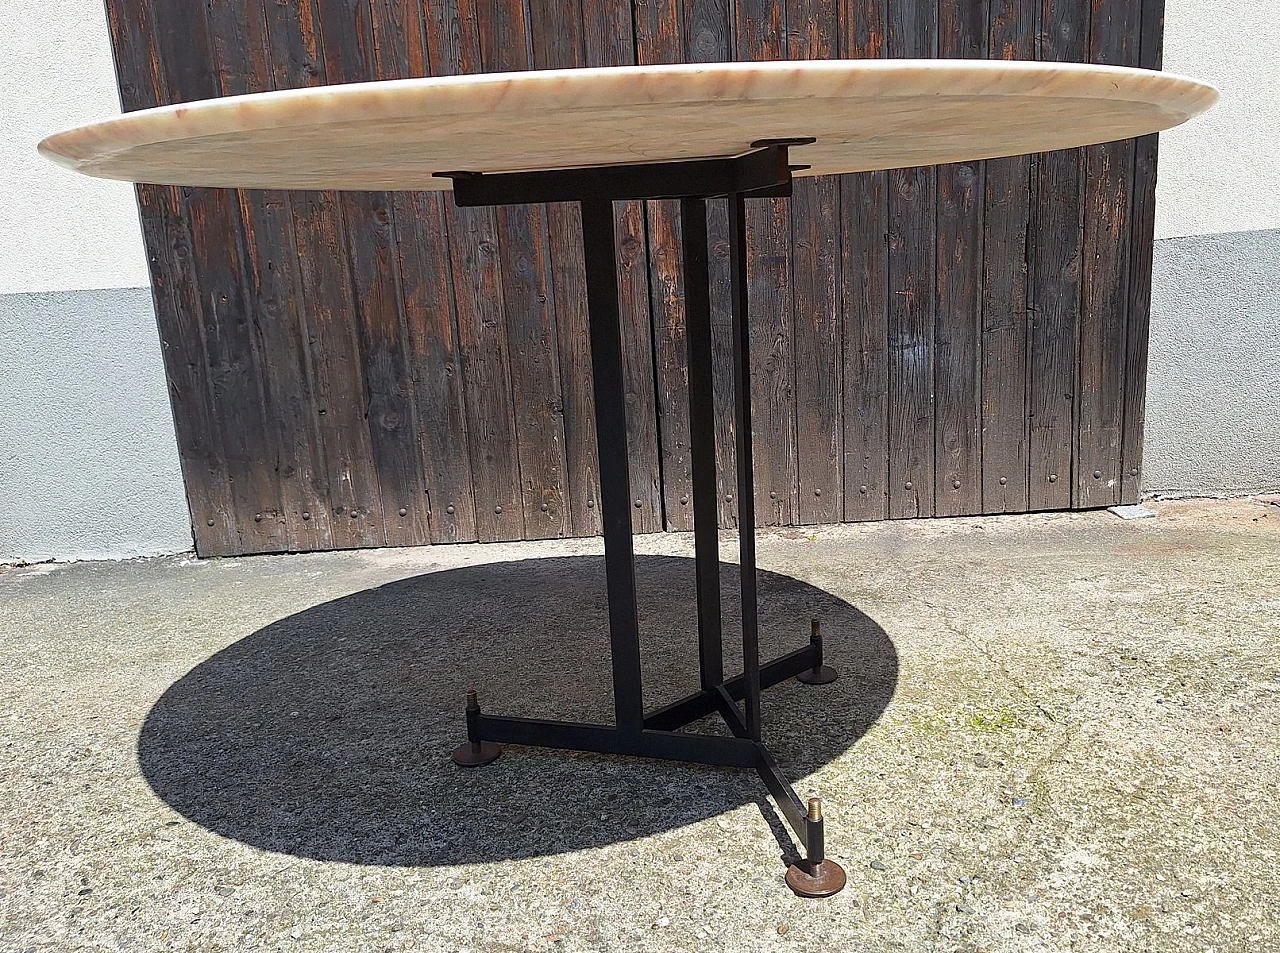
[(327, 734)]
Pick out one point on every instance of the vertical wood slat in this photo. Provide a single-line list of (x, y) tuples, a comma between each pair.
[(708, 31), (371, 43), (609, 40), (659, 39), (344, 36), (442, 439), (1113, 40), (962, 34), (1143, 245), (864, 264), (1006, 223), (324, 305), (812, 33), (761, 35), (529, 307), (453, 47), (556, 31), (233, 355), (911, 32), (240, 56), (1056, 255)]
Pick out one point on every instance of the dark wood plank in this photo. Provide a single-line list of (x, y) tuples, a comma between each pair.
[(238, 34), (864, 206), (346, 41), (324, 305), (659, 39), (659, 31), (431, 333), (720, 276), (912, 31), (505, 43), (816, 259), (228, 329), (608, 40), (1104, 322), (535, 373), (178, 307), (707, 30), (761, 35), (556, 31), (1006, 220), (1144, 188), (573, 338), (453, 45), (1057, 247), (668, 31), (666, 280), (962, 34)]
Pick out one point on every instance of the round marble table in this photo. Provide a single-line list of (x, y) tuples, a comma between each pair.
[(594, 136)]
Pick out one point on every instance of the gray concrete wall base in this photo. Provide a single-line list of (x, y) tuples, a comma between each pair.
[(1213, 384), (88, 460)]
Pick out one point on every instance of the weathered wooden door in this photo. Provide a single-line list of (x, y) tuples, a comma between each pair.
[(365, 369)]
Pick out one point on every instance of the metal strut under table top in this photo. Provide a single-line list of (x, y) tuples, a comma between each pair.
[(762, 172)]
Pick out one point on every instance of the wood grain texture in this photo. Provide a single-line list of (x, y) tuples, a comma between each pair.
[(864, 240), (911, 32), (1005, 277), (557, 43), (240, 54), (529, 308), (761, 35), (453, 47), (659, 39), (812, 33), (325, 308), (1057, 256), (961, 189), (443, 441), (608, 40), (232, 350), (1099, 431)]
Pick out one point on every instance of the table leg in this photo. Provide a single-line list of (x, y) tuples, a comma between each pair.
[(658, 735), (598, 243)]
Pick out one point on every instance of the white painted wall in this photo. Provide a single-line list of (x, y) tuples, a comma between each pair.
[(1221, 172), (88, 459), (60, 230)]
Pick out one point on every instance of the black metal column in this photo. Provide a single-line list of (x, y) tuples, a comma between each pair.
[(702, 438), (746, 481), (598, 246)]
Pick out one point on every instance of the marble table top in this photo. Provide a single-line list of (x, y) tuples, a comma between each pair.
[(864, 114)]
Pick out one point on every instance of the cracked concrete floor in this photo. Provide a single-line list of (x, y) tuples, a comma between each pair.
[(1053, 732)]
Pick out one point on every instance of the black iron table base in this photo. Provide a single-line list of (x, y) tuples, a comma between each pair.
[(762, 172)]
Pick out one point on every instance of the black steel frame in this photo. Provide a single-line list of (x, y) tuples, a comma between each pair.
[(762, 172)]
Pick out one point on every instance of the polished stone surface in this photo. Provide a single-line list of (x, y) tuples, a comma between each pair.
[(865, 114)]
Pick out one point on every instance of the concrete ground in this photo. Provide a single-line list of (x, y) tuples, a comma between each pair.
[(1053, 732)]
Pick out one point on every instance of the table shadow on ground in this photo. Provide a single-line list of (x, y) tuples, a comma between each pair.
[(327, 734)]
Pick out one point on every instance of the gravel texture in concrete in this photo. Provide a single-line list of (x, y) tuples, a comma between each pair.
[(1052, 733)]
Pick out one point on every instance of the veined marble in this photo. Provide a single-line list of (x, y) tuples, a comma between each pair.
[(864, 114)]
